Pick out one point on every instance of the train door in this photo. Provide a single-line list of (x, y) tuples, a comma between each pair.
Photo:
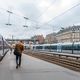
[(59, 47)]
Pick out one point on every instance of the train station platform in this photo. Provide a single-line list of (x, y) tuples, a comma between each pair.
[(34, 69)]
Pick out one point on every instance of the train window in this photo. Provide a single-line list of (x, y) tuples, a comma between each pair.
[(54, 47), (47, 47), (79, 47), (76, 47), (39, 47), (67, 47)]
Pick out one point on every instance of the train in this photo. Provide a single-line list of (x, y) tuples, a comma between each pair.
[(72, 48), (4, 47)]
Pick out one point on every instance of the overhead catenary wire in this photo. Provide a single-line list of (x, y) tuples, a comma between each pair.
[(61, 14), (18, 15), (46, 9), (9, 13), (29, 18), (52, 18), (44, 12)]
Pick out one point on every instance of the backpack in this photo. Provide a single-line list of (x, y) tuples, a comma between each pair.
[(16, 52)]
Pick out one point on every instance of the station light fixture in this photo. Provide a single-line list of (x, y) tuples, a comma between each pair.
[(9, 24), (25, 22)]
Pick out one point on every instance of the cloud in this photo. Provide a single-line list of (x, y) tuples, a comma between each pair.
[(68, 19), (57, 8), (39, 12)]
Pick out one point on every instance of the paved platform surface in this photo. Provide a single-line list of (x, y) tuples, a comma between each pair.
[(34, 69)]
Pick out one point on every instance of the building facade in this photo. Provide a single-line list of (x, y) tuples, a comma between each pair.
[(70, 34), (39, 39), (26, 41), (51, 38)]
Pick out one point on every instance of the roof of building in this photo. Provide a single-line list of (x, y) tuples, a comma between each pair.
[(53, 34), (70, 28)]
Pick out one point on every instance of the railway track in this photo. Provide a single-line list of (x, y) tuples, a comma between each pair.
[(70, 62)]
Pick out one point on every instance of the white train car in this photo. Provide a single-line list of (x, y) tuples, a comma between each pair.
[(71, 48), (3, 46)]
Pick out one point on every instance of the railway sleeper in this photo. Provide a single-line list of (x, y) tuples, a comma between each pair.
[(58, 63)]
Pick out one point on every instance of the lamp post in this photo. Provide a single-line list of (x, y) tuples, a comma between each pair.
[(73, 39)]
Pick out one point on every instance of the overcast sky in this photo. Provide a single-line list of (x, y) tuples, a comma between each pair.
[(41, 14)]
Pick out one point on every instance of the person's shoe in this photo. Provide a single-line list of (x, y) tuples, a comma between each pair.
[(17, 67)]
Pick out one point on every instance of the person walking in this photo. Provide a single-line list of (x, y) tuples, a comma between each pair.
[(19, 48)]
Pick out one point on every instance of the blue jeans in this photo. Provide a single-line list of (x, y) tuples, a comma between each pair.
[(18, 60)]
